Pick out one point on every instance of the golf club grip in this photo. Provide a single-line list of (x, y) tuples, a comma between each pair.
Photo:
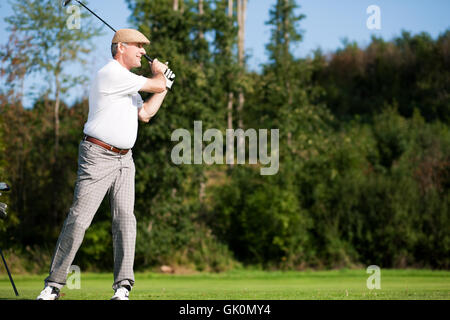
[(148, 58)]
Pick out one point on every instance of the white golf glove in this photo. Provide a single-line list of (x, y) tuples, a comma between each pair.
[(170, 78)]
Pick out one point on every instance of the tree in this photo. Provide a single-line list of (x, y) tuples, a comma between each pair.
[(51, 48), (230, 93), (410, 71), (14, 66), (230, 32), (167, 195), (285, 70), (242, 16)]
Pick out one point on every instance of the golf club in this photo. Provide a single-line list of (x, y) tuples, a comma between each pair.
[(3, 213), (66, 2), (3, 206)]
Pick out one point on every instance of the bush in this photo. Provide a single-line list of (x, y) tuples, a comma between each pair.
[(260, 219)]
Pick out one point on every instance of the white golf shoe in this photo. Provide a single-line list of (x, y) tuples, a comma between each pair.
[(121, 293), (49, 293)]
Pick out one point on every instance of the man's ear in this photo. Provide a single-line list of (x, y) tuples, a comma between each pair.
[(121, 47)]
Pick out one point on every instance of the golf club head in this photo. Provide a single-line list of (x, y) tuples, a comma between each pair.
[(3, 207), (4, 187), (66, 2)]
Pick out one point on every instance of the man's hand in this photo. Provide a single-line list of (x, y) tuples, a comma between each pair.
[(158, 67), (161, 68)]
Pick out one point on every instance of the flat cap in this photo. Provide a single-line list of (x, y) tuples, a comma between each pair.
[(130, 35)]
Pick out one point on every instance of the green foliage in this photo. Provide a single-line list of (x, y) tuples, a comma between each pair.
[(364, 151), (285, 32), (261, 221), (51, 46), (367, 197), (167, 196), (31, 169), (96, 252), (410, 71), (2, 149), (4, 197), (168, 241)]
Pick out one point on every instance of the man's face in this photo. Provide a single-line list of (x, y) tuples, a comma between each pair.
[(132, 54)]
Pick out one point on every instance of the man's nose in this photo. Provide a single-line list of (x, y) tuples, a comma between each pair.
[(143, 51)]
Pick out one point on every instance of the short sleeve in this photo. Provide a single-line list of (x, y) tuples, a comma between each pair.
[(120, 81), (137, 101)]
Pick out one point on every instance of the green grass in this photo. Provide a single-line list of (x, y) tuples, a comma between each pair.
[(254, 285)]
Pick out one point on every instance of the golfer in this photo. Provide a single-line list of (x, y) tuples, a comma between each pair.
[(105, 161)]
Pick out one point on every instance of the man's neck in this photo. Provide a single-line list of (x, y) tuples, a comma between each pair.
[(121, 62)]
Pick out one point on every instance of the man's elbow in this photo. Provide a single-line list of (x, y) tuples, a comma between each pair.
[(144, 116)]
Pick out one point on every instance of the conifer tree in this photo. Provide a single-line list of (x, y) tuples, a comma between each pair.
[(177, 36)]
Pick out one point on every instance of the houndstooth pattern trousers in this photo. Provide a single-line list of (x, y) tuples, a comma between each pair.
[(100, 172)]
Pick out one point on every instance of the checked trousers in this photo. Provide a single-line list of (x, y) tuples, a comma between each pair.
[(100, 172)]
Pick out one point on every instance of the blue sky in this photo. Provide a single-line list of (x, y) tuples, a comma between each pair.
[(327, 23)]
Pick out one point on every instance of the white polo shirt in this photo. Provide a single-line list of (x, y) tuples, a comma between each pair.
[(113, 106)]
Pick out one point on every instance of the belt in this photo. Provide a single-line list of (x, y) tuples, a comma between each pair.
[(105, 145)]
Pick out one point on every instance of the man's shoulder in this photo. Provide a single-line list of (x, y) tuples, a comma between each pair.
[(112, 70), (111, 66)]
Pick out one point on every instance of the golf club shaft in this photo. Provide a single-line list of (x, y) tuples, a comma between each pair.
[(82, 4), (96, 15), (9, 274), (148, 58)]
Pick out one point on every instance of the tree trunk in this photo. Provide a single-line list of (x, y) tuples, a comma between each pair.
[(230, 124), (242, 12), (242, 16), (286, 54), (57, 104), (201, 34), (175, 5), (200, 12), (55, 167), (285, 32), (201, 193), (230, 94)]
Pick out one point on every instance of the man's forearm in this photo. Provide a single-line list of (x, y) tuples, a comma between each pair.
[(151, 106), (155, 84)]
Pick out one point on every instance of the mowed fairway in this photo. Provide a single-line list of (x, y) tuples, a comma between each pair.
[(253, 285)]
